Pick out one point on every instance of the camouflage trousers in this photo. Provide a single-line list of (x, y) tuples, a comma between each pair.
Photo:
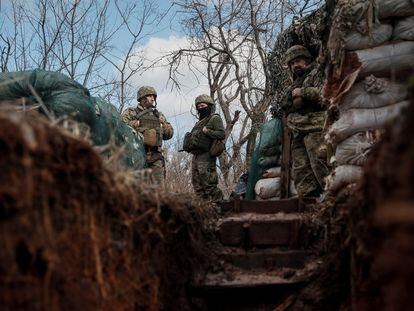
[(204, 177), (156, 162), (309, 165)]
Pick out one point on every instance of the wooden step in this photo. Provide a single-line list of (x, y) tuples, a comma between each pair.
[(240, 279), (293, 205), (265, 258), (249, 229)]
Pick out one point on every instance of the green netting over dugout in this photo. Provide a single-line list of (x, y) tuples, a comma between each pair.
[(266, 153), (63, 96)]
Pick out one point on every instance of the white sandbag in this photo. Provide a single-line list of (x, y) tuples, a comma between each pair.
[(358, 41), (272, 172), (373, 93), (354, 150), (389, 8), (268, 187), (359, 120), (387, 58), (292, 190), (267, 199), (404, 29), (342, 176)]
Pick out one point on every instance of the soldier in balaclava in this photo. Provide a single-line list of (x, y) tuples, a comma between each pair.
[(199, 142)]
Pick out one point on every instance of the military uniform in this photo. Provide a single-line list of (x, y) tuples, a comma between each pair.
[(154, 128), (204, 173), (305, 119)]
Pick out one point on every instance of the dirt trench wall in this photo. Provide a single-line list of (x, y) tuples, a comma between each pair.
[(75, 235)]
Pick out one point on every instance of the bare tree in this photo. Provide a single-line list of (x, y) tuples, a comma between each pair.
[(233, 39), (79, 38)]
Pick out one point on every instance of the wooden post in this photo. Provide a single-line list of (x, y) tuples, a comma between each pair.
[(285, 167)]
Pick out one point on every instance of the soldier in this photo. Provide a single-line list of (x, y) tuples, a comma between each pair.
[(208, 129), (153, 126), (305, 113)]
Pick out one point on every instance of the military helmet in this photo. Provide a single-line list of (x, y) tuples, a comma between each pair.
[(204, 98), (145, 91), (295, 52)]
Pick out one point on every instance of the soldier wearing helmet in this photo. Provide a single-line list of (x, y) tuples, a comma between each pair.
[(305, 112), (201, 142), (153, 126)]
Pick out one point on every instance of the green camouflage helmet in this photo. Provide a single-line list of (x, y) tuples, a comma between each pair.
[(295, 52), (204, 98), (145, 91)]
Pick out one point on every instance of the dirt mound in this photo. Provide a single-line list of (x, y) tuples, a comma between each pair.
[(76, 235)]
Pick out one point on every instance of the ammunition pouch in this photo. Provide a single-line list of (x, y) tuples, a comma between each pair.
[(217, 147), (200, 142), (187, 142), (150, 137)]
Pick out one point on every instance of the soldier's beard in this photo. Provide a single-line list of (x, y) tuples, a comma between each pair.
[(299, 72), (204, 112)]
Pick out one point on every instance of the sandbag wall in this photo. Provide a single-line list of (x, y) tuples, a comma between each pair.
[(371, 92)]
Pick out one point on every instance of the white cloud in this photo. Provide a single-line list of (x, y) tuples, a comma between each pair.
[(175, 105)]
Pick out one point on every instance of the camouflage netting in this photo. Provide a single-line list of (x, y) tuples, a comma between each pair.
[(78, 235), (60, 97)]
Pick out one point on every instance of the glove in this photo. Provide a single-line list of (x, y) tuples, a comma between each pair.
[(167, 130), (163, 119), (150, 137)]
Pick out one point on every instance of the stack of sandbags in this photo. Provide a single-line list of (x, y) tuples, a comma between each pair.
[(266, 153), (375, 94), (268, 187)]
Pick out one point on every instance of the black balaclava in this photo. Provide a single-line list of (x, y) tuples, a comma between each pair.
[(204, 112)]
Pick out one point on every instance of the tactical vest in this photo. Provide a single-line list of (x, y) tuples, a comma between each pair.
[(200, 142), (150, 119)]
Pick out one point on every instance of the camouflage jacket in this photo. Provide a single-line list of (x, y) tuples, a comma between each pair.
[(311, 89), (141, 119)]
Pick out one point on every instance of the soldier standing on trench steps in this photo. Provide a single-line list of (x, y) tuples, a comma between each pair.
[(153, 126), (205, 132), (305, 112)]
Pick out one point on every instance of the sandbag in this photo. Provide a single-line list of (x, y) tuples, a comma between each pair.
[(270, 137), (359, 120), (109, 125), (61, 96), (272, 172), (404, 29), (268, 162), (387, 58), (268, 187), (359, 41), (354, 150), (373, 93), (342, 176), (390, 8)]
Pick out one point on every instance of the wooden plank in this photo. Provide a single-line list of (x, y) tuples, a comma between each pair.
[(285, 167), (263, 230), (291, 205), (267, 259)]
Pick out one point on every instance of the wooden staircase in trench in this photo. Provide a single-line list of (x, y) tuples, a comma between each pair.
[(264, 254)]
